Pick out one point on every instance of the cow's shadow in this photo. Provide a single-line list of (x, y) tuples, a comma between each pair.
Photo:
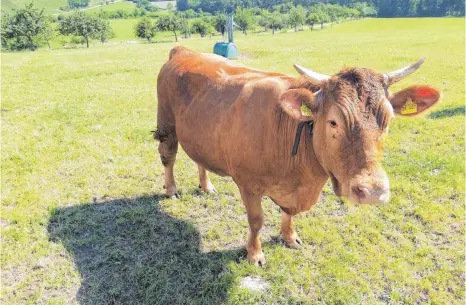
[(128, 251)]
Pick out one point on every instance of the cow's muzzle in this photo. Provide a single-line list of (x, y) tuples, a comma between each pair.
[(370, 189)]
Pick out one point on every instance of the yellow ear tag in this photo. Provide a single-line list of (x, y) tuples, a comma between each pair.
[(306, 111), (409, 107)]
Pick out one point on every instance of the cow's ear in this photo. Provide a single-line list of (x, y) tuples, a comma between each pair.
[(292, 101), (414, 100)]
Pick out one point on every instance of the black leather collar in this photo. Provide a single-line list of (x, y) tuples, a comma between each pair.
[(310, 125)]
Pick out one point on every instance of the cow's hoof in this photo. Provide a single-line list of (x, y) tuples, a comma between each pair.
[(173, 194), (294, 243), (257, 259), (209, 188)]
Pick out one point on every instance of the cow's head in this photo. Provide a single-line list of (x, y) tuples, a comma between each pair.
[(351, 113)]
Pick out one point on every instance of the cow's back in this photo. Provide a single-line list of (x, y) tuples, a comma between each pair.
[(223, 112)]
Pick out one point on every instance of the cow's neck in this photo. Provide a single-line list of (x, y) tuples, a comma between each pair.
[(307, 160), (301, 176), (304, 163)]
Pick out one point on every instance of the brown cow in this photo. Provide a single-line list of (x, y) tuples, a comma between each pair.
[(241, 122)]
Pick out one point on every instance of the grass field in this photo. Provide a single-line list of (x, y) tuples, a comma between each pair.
[(53, 6), (124, 31), (124, 6), (49, 5), (83, 221)]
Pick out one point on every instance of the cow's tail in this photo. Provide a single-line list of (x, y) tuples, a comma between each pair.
[(159, 136)]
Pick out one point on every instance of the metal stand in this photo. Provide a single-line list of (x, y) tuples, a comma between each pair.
[(227, 49)]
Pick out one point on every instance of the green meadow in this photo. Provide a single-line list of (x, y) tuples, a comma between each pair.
[(83, 220), (48, 5), (124, 6), (52, 6)]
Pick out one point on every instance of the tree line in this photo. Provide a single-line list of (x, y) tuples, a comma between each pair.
[(28, 28), (189, 22), (383, 8)]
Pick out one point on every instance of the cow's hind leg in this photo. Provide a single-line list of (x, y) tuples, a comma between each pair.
[(288, 232), (204, 181), (256, 221), (168, 147)]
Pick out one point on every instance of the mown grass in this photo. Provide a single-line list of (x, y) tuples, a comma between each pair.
[(112, 7), (83, 222)]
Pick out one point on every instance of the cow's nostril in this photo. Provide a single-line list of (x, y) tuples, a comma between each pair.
[(360, 192)]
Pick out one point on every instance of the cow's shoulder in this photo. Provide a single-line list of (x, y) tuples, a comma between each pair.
[(178, 50)]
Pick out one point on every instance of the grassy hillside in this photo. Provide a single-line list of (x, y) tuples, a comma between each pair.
[(125, 6), (49, 5), (83, 221), (52, 6)]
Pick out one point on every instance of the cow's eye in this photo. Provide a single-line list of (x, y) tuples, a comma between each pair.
[(333, 123)]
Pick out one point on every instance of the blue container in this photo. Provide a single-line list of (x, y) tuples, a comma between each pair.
[(226, 49)]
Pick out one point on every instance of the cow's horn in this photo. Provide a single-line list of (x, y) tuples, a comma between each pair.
[(317, 77), (396, 76)]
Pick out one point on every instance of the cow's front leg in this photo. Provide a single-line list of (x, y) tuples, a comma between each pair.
[(256, 221), (288, 232)]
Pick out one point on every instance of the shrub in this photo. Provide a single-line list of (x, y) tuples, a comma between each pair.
[(145, 29)]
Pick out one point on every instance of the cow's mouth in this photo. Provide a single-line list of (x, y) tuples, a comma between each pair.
[(336, 185)]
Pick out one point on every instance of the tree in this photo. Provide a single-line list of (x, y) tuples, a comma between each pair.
[(286, 7), (297, 16), (324, 18), (78, 3), (104, 31), (170, 23), (244, 19), (81, 24), (201, 27), (272, 21), (182, 5), (190, 14), (76, 40), (220, 23), (4, 30), (185, 29), (264, 21), (332, 12), (21, 28), (364, 9), (354, 13), (48, 33), (314, 18), (145, 29), (145, 4)]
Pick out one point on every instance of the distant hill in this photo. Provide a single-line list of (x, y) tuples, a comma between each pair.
[(53, 6), (163, 4), (49, 5)]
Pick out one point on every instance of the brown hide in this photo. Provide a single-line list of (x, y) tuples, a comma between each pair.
[(241, 122), (227, 119)]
